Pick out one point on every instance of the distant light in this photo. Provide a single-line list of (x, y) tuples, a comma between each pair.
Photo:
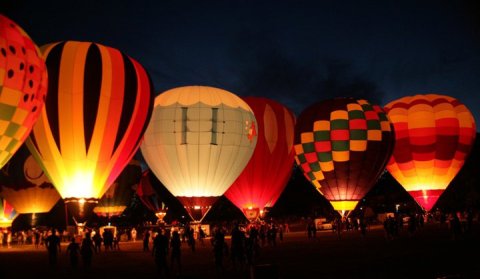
[(196, 207)]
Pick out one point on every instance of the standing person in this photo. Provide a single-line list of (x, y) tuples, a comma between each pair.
[(73, 250), (175, 244), (146, 240), (37, 238), (201, 235), (133, 234), (160, 252), (87, 250), (238, 247), (53, 246), (280, 232), (218, 242), (97, 240)]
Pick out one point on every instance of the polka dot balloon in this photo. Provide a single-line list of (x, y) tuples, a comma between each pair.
[(23, 85)]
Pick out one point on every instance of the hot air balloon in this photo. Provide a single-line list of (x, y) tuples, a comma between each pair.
[(7, 214), (267, 173), (119, 195), (342, 146), (150, 196), (434, 134), (26, 187), (197, 143), (98, 105), (23, 85)]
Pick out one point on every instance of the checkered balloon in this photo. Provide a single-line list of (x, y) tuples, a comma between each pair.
[(23, 85), (342, 146)]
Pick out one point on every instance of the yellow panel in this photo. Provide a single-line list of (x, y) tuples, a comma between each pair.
[(321, 125), (326, 166), (421, 119), (339, 114), (358, 145), (442, 107), (319, 175), (352, 106), (10, 96), (424, 164), (4, 155), (306, 137), (317, 185), (445, 114), (22, 130), (398, 118), (298, 149), (375, 135), (344, 205), (3, 126), (191, 95), (340, 156), (19, 116), (385, 126), (4, 141)]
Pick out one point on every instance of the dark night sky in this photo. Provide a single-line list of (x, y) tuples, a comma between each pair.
[(296, 52)]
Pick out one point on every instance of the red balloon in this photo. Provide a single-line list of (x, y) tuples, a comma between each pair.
[(267, 173)]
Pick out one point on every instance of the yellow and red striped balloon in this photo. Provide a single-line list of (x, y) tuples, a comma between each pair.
[(434, 134), (23, 85), (98, 106)]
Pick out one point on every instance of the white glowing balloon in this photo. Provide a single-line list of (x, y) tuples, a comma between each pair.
[(197, 143)]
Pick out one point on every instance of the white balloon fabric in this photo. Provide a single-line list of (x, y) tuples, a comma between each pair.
[(198, 141)]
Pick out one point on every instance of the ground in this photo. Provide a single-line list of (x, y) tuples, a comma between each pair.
[(430, 253)]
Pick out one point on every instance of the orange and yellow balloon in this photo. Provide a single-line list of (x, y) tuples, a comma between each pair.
[(434, 134), (7, 214), (23, 85), (98, 105)]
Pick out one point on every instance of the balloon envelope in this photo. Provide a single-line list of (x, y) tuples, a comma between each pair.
[(434, 134), (150, 196), (97, 108), (26, 187), (197, 143), (23, 85), (7, 214), (266, 174), (342, 146)]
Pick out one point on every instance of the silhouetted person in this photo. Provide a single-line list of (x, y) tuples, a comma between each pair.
[(97, 240), (456, 227), (53, 246), (37, 238), (160, 252), (238, 247), (73, 250), (146, 239), (175, 244), (87, 250), (218, 242)]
